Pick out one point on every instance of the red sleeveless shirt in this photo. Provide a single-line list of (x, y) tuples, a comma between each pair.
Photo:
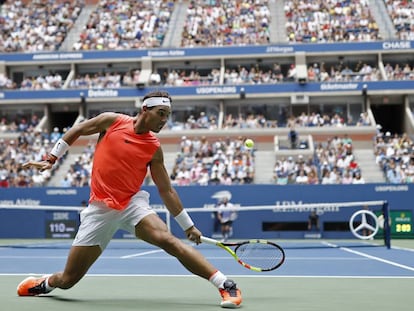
[(120, 163)]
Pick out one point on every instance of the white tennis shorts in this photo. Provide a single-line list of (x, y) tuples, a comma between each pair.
[(100, 222)]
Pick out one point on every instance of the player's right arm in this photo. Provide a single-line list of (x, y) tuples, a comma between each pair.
[(91, 126)]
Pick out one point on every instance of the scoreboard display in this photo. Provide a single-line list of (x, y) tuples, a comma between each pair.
[(401, 223), (61, 225)]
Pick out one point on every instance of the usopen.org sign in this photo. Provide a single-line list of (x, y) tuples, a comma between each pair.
[(216, 90)]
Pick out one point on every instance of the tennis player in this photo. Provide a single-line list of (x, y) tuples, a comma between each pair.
[(126, 148)]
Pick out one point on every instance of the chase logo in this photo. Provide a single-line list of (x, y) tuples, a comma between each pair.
[(398, 45)]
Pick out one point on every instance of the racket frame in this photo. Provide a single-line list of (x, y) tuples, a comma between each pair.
[(226, 247)]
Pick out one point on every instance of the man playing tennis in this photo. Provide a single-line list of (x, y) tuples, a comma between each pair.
[(126, 148)]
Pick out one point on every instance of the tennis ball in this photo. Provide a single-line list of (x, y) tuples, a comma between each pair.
[(249, 143)]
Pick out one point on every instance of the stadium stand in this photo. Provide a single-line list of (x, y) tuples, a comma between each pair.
[(241, 68)]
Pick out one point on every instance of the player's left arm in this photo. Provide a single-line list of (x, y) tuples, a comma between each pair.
[(170, 196), (94, 125)]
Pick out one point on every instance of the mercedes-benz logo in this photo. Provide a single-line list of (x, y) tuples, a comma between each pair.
[(364, 224)]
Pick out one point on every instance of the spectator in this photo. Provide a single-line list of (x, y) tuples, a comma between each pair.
[(293, 138), (358, 179), (4, 183), (313, 221), (394, 174), (226, 215)]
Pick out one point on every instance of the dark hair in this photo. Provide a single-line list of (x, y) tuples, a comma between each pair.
[(158, 94)]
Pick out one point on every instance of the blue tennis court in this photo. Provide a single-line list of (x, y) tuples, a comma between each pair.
[(303, 258)]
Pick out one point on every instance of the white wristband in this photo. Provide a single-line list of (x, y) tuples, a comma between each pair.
[(59, 148), (184, 220)]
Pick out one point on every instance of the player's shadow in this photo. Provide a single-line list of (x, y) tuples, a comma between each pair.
[(138, 303), (63, 299)]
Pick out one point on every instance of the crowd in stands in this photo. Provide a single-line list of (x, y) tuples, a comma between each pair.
[(332, 163), (254, 121), (80, 171), (395, 156), (122, 25), (42, 25), (341, 72), (399, 72), (317, 72), (97, 81), (33, 26), (203, 162), (32, 144), (51, 81), (402, 13), (330, 21), (19, 123), (209, 121), (223, 23), (6, 83)]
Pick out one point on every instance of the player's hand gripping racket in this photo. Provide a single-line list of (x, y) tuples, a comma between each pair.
[(256, 255)]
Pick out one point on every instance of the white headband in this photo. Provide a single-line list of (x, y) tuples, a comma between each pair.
[(156, 101)]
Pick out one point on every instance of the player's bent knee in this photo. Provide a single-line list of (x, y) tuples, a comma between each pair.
[(171, 244)]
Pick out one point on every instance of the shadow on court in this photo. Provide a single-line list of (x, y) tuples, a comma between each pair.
[(191, 293)]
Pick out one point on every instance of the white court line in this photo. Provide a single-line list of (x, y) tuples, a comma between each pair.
[(235, 276), (229, 258), (143, 254), (403, 248), (393, 263)]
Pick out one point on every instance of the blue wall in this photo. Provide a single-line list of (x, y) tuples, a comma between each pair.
[(23, 223), (274, 49), (314, 87)]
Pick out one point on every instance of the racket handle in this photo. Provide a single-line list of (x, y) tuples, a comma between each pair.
[(208, 240)]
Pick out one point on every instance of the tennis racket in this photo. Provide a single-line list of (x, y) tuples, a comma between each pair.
[(256, 255)]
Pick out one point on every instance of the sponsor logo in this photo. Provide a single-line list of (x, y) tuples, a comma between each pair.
[(61, 192), (391, 188), (280, 49), (338, 86), (28, 202), (102, 93), (166, 53), (57, 56), (217, 90), (396, 45), (294, 207)]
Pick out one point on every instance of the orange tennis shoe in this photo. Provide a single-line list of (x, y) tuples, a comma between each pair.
[(231, 295), (32, 286)]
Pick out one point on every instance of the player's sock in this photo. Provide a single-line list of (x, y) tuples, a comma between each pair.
[(217, 279), (47, 286)]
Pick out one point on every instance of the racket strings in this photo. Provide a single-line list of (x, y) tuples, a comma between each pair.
[(261, 255)]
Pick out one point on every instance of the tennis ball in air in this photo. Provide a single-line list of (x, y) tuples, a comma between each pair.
[(249, 143)]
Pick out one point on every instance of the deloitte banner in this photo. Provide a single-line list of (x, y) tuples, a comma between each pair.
[(281, 222)]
